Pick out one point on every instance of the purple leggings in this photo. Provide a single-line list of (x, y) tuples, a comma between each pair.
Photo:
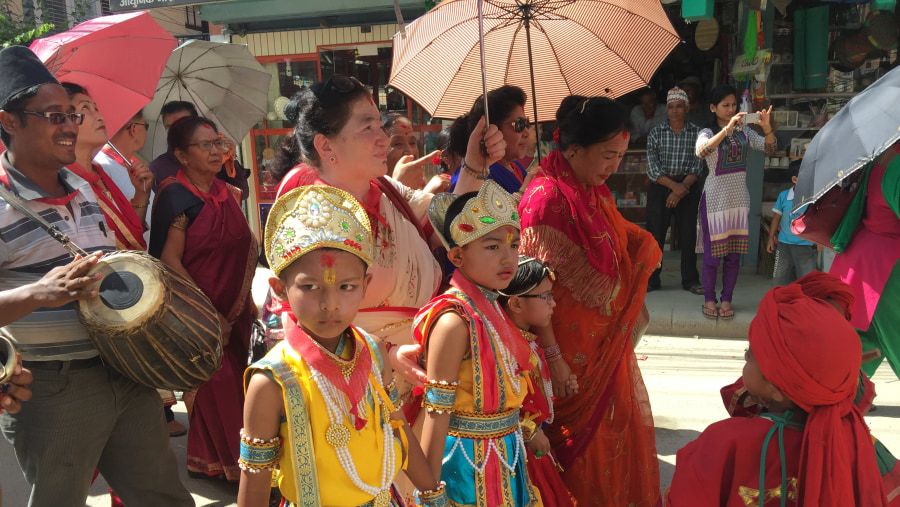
[(730, 269), (710, 271)]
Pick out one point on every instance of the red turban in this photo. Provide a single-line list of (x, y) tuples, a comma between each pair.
[(812, 354), (821, 285)]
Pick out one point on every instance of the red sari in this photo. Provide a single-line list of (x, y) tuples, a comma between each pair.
[(220, 253), (603, 263)]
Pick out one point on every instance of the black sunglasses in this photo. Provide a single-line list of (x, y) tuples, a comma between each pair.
[(520, 124), (335, 86)]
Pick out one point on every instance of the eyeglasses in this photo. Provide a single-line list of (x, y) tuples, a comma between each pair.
[(332, 88), (546, 296), (207, 145), (520, 124), (141, 124), (57, 118)]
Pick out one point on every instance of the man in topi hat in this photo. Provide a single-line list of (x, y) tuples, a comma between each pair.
[(82, 415)]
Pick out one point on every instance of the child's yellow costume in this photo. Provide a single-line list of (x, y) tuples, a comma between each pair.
[(336, 445)]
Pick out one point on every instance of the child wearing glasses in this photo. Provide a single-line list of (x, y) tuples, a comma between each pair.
[(476, 362), (528, 302)]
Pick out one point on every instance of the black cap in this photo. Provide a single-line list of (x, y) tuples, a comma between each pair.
[(20, 70)]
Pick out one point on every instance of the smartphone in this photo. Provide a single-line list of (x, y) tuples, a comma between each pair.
[(750, 118)]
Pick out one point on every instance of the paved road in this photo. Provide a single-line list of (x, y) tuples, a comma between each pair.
[(683, 376)]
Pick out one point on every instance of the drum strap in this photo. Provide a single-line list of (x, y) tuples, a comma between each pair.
[(52, 230)]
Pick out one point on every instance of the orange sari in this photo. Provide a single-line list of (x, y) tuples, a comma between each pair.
[(604, 436)]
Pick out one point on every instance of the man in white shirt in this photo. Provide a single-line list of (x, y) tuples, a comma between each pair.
[(128, 141), (646, 115)]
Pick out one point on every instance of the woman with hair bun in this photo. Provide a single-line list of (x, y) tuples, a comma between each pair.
[(603, 433)]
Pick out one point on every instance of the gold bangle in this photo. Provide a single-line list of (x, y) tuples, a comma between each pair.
[(139, 206)]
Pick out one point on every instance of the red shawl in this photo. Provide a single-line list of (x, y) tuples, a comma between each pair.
[(810, 352), (581, 220), (117, 209)]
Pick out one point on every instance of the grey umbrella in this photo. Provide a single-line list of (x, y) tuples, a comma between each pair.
[(860, 132)]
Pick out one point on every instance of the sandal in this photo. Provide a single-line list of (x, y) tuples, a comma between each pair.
[(710, 313), (695, 289), (726, 313)]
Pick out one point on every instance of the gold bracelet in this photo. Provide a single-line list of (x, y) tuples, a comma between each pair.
[(139, 206)]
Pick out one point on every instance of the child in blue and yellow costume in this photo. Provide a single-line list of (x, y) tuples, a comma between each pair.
[(321, 406), (476, 360)]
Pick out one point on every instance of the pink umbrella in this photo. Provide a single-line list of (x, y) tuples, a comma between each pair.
[(118, 59)]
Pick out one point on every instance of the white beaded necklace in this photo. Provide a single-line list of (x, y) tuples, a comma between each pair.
[(338, 435), (506, 358), (491, 448), (546, 383)]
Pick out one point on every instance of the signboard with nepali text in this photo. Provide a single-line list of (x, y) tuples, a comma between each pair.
[(134, 5)]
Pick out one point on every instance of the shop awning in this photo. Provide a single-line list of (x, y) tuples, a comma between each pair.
[(272, 15)]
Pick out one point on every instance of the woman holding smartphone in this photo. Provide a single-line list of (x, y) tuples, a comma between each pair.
[(725, 203)]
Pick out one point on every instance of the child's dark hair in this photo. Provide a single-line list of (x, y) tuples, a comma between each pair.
[(585, 121), (794, 168), (454, 210), (530, 273)]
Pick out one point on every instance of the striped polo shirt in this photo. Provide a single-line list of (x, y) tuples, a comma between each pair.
[(27, 253)]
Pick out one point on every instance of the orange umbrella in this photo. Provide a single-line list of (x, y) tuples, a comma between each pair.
[(584, 47)]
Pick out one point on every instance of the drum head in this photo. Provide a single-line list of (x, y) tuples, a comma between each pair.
[(131, 291)]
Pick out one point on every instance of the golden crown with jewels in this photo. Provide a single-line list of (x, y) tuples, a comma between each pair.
[(492, 208), (313, 217)]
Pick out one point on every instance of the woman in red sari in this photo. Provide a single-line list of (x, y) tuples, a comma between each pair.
[(603, 435), (200, 231)]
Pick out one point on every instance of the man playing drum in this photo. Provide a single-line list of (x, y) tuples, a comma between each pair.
[(82, 415)]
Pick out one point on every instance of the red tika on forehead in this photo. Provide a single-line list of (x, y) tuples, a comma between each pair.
[(625, 135), (206, 125), (326, 260)]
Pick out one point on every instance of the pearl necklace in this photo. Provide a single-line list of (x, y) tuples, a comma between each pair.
[(546, 384), (506, 358), (339, 436), (491, 448)]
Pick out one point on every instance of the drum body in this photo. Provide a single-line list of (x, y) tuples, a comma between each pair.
[(151, 324), (7, 360)]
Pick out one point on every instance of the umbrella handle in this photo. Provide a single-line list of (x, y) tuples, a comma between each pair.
[(487, 119)]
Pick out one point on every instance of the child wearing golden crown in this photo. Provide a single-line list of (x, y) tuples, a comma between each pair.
[(475, 359), (321, 406)]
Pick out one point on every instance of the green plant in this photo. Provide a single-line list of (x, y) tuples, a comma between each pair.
[(17, 28)]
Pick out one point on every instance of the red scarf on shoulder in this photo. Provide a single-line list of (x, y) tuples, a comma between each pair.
[(120, 215)]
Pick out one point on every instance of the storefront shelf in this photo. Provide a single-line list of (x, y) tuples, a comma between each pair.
[(823, 95)]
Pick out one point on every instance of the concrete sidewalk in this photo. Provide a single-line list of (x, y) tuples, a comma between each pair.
[(673, 311), (677, 312)]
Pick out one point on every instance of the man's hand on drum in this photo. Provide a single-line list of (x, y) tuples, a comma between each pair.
[(16, 390), (64, 284), (404, 360)]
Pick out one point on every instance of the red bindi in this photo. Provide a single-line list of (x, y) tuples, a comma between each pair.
[(326, 260)]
